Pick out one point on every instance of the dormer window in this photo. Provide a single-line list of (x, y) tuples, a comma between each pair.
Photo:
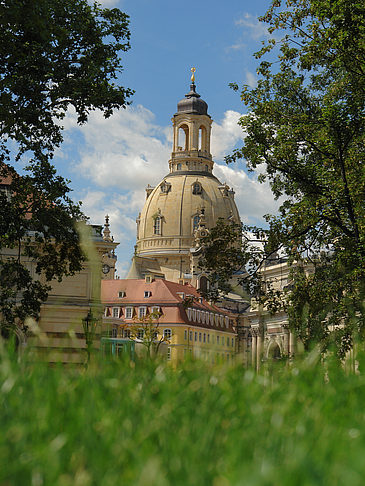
[(121, 294), (147, 294), (197, 188), (165, 187)]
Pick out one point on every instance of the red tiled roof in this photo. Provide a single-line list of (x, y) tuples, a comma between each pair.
[(164, 294)]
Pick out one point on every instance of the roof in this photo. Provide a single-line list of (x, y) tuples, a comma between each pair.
[(168, 295)]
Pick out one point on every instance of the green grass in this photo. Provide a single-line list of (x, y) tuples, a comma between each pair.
[(147, 424)]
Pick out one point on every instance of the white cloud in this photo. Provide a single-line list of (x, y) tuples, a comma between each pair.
[(253, 27), (226, 135), (251, 79), (119, 156), (253, 199)]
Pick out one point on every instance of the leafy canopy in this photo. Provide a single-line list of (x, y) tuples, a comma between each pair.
[(55, 55), (305, 130)]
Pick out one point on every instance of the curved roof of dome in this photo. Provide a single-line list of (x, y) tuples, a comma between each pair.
[(192, 103), (180, 205)]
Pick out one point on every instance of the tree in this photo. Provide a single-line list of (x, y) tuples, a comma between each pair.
[(55, 54), (146, 330), (305, 130)]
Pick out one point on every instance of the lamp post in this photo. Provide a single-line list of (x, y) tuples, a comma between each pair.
[(89, 324)]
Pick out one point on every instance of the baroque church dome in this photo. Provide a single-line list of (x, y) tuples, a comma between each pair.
[(187, 202)]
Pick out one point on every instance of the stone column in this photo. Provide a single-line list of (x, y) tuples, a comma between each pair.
[(291, 344), (258, 352), (254, 349)]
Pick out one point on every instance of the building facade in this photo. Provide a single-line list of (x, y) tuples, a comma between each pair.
[(186, 323)]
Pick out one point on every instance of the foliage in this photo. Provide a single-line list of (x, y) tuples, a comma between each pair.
[(146, 423), (146, 330), (305, 131), (55, 55)]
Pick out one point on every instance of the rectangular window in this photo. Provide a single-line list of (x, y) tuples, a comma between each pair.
[(185, 334), (167, 333), (208, 338), (195, 336), (142, 312), (155, 310), (128, 312), (121, 294), (200, 337), (204, 338), (140, 334), (227, 341), (147, 293), (217, 339), (191, 335), (126, 333), (115, 311)]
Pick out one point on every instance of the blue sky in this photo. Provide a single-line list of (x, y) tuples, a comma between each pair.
[(110, 162)]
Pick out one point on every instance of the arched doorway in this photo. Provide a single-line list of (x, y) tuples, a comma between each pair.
[(274, 352)]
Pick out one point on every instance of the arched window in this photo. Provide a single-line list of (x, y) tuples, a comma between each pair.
[(196, 220), (183, 138), (157, 226), (178, 167), (206, 168), (203, 284), (197, 188), (202, 138)]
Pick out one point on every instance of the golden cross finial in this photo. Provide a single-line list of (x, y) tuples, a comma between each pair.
[(193, 75)]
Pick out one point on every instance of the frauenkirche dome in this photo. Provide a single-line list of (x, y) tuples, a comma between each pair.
[(186, 203)]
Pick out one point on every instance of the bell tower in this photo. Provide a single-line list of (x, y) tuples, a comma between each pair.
[(192, 128)]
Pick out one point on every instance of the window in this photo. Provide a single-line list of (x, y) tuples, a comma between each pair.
[(178, 167), (208, 338), (155, 310), (197, 188), (140, 334), (147, 293), (217, 339), (196, 220), (142, 311), (157, 226), (126, 333), (191, 335), (232, 342), (115, 311), (195, 336), (185, 334), (121, 294), (114, 332), (168, 353), (200, 337), (216, 319), (227, 341), (167, 333), (181, 295), (206, 168), (128, 312), (204, 338)]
